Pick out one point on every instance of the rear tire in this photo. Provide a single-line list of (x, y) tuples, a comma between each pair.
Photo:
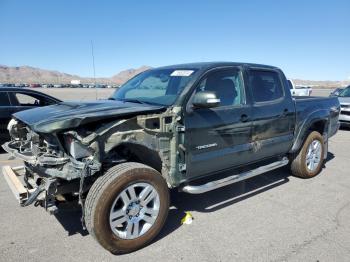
[(118, 200), (309, 161)]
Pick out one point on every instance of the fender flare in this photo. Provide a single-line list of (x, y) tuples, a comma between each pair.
[(321, 115)]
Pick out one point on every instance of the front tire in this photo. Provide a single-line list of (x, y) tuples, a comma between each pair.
[(309, 161), (127, 207)]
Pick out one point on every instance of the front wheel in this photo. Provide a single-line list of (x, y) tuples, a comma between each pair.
[(127, 207), (309, 161)]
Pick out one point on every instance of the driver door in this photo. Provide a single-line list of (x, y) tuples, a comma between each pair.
[(218, 138)]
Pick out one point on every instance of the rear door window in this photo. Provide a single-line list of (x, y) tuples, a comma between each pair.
[(27, 100), (265, 85), (30, 100)]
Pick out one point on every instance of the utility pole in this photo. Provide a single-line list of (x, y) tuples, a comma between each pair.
[(93, 66)]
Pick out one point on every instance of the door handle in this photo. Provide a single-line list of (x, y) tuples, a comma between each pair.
[(244, 118)]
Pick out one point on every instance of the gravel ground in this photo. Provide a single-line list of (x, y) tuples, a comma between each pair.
[(273, 217)]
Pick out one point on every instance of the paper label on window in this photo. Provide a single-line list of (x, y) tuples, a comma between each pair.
[(182, 73)]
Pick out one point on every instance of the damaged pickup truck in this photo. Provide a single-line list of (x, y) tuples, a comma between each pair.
[(171, 127)]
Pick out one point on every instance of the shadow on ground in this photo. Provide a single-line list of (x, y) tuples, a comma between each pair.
[(345, 128), (208, 202), (70, 213)]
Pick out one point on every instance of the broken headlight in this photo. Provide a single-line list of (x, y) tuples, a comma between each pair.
[(76, 149)]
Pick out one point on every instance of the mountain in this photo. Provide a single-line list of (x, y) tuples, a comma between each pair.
[(27, 74), (125, 75), (325, 84)]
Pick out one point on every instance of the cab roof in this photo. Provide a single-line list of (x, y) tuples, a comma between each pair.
[(209, 65)]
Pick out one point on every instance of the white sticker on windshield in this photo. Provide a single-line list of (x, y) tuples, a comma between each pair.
[(182, 73)]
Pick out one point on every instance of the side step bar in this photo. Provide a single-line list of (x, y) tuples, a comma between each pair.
[(235, 178)]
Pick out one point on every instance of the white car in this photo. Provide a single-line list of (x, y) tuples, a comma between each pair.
[(299, 90), (344, 99)]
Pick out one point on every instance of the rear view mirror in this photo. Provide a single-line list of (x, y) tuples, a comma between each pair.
[(205, 99)]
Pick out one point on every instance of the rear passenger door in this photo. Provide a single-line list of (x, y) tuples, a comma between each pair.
[(273, 113), (5, 115)]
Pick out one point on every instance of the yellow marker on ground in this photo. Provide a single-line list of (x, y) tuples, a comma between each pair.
[(187, 219)]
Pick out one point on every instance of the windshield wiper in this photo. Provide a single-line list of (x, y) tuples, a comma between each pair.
[(134, 101)]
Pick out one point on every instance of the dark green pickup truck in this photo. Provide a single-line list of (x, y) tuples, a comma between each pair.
[(170, 127)]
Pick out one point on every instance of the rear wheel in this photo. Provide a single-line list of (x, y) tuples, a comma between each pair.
[(309, 161), (127, 207)]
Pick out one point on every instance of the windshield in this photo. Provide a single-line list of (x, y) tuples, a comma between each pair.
[(345, 92), (158, 86)]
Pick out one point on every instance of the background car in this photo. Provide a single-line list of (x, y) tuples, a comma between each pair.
[(13, 100), (299, 90), (344, 99)]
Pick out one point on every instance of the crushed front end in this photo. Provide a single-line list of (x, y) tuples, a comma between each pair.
[(54, 167)]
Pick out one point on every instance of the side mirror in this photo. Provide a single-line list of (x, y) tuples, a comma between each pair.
[(205, 99)]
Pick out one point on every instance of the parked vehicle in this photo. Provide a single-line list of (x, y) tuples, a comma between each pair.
[(13, 100), (299, 90), (336, 92), (35, 85), (171, 127), (344, 99)]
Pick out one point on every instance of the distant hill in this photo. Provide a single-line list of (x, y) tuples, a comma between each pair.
[(325, 84), (27, 74), (125, 75)]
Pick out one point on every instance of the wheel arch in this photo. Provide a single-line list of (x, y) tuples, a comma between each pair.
[(317, 121), (137, 152)]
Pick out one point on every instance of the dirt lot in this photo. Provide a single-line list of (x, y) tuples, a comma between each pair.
[(274, 217), (78, 93)]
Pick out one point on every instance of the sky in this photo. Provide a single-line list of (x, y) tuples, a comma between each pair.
[(306, 39)]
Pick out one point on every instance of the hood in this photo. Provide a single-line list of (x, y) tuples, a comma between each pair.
[(66, 115)]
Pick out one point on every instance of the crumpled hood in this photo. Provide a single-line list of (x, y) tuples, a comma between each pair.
[(66, 115)]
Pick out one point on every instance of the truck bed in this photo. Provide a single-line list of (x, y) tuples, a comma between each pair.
[(311, 107)]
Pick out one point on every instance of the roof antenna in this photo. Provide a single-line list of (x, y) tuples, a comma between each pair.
[(93, 65)]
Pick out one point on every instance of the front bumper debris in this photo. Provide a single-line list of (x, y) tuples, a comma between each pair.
[(11, 176), (26, 194), (30, 158), (66, 168)]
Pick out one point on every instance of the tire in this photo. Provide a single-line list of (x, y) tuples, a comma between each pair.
[(299, 163), (108, 191)]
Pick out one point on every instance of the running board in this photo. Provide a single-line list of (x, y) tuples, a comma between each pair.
[(235, 178)]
